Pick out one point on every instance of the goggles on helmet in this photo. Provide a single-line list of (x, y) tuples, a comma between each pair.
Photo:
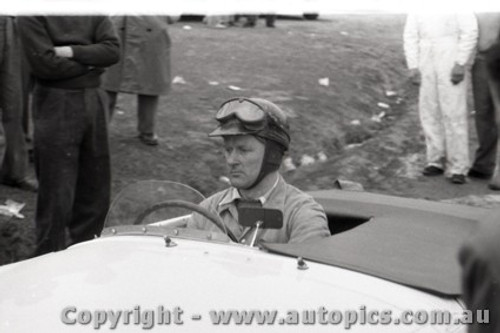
[(249, 113), (240, 115)]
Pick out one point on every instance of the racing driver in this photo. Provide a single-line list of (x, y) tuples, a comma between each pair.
[(256, 136)]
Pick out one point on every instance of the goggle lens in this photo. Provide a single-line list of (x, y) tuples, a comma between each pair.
[(244, 110)]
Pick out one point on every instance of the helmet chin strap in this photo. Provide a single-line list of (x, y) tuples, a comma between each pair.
[(273, 156)]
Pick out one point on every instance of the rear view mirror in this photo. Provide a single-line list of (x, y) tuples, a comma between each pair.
[(249, 215)]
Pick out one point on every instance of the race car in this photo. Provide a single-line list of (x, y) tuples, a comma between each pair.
[(390, 265)]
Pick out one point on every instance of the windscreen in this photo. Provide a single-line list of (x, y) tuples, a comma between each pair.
[(135, 199)]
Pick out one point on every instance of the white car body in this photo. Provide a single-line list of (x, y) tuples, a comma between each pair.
[(122, 272), (161, 278)]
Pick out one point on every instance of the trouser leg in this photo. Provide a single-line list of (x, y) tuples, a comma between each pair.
[(487, 132), (14, 164), (27, 118), (27, 87), (251, 21), (59, 125), (92, 193), (92, 198), (431, 120), (495, 93), (112, 96), (270, 19), (147, 106), (15, 158), (453, 103)]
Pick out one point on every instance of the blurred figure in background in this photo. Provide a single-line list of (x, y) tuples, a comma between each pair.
[(438, 48), (67, 55), (252, 20), (144, 68), (486, 90), (13, 171), (219, 21)]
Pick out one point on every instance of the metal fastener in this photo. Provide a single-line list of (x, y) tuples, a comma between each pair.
[(301, 264), (168, 242)]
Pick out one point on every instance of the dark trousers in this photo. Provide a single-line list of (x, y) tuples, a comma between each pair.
[(486, 128), (252, 20), (15, 159), (72, 163), (147, 106)]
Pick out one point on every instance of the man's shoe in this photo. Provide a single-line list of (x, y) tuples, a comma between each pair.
[(24, 184), (432, 170), (479, 174), (457, 179), (149, 139)]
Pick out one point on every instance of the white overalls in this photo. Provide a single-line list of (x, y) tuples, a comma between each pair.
[(433, 43)]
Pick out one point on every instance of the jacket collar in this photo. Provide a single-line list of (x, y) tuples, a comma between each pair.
[(275, 198)]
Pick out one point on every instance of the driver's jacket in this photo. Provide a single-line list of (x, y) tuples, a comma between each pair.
[(303, 218)]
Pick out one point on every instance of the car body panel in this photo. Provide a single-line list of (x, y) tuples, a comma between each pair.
[(409, 241), (386, 253), (122, 272)]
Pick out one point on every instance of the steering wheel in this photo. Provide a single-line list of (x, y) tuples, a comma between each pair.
[(191, 206)]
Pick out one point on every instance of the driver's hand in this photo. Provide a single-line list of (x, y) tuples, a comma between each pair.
[(457, 74), (415, 76)]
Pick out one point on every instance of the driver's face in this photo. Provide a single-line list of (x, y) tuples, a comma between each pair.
[(244, 155)]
